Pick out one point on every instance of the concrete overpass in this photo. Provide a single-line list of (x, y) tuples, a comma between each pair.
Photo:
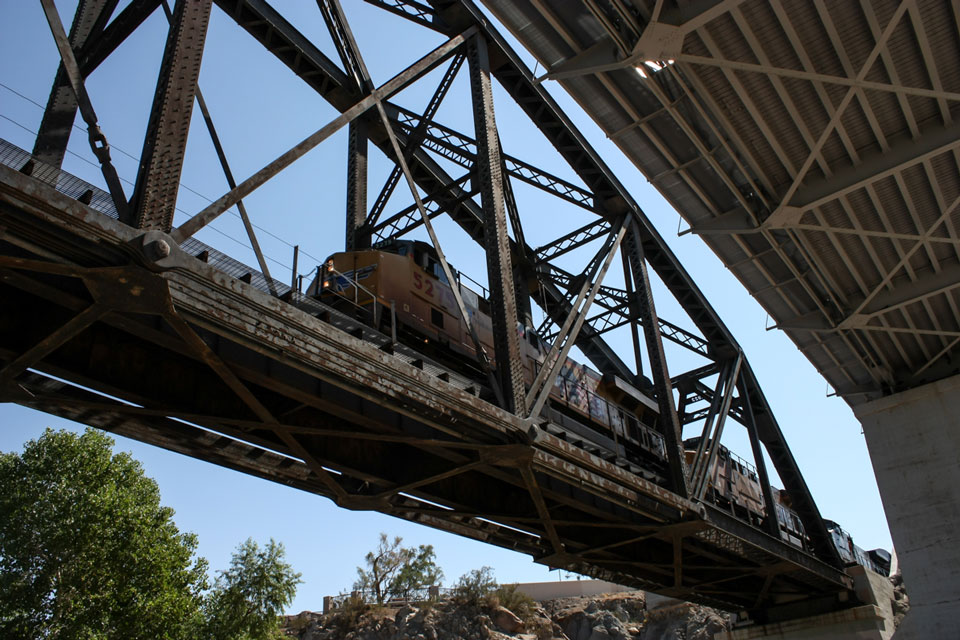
[(813, 147)]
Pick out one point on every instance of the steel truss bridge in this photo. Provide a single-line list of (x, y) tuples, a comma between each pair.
[(114, 317)]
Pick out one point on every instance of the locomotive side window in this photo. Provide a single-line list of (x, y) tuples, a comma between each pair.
[(533, 339), (434, 269), (436, 317)]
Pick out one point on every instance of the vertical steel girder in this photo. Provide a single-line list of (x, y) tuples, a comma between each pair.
[(358, 233), (61, 111), (634, 310), (633, 245), (503, 304), (161, 161), (521, 268)]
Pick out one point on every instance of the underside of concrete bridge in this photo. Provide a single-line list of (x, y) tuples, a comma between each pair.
[(813, 147)]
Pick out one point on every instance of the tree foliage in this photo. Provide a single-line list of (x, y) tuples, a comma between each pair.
[(247, 599), (86, 549), (394, 571), (473, 587)]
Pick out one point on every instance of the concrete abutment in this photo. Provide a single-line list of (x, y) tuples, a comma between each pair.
[(914, 443), (873, 620)]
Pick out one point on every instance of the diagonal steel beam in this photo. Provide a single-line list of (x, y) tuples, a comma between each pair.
[(567, 336), (459, 148), (405, 488), (700, 476), (834, 121), (248, 186), (771, 522), (54, 134), (96, 50), (900, 155), (346, 45), (444, 265), (98, 141), (526, 471), (53, 341), (415, 138), (857, 83), (904, 261), (231, 379)]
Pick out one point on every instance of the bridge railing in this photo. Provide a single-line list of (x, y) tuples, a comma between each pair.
[(360, 299), (415, 596)]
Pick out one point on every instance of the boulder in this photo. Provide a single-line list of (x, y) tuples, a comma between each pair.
[(506, 620)]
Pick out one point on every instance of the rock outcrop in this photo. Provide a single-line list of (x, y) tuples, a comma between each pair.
[(621, 616)]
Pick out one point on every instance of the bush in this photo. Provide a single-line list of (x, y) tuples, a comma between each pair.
[(473, 587), (507, 595), (347, 616)]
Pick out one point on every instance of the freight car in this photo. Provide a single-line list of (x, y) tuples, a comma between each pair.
[(733, 485)]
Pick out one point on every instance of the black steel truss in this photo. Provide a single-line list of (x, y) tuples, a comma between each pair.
[(409, 139)]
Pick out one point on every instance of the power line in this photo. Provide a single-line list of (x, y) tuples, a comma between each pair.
[(124, 180), (181, 184)]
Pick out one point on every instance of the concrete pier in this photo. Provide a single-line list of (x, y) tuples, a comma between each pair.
[(914, 443), (873, 620), (859, 623)]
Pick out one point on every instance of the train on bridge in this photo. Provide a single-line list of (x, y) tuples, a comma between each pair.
[(399, 288)]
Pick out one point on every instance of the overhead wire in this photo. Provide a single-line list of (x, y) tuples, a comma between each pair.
[(181, 184), (124, 180)]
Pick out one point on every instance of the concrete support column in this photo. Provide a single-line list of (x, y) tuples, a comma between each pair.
[(914, 443)]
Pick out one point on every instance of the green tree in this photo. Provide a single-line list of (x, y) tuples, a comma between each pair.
[(86, 549), (246, 599), (397, 571), (420, 570)]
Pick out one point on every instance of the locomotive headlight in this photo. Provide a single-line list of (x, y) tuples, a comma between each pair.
[(326, 284), (329, 266)]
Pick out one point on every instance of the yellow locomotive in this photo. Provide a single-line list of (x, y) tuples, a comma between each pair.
[(399, 287)]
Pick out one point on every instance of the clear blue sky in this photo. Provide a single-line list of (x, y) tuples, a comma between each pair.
[(262, 109)]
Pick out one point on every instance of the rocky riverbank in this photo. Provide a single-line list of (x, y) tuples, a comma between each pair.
[(622, 616)]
